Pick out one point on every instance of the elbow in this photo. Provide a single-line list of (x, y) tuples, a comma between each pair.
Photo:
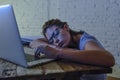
[(112, 62), (109, 63), (31, 44)]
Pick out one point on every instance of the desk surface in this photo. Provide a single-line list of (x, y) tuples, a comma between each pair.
[(59, 67)]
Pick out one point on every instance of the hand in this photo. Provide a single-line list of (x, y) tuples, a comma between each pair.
[(49, 51), (38, 52)]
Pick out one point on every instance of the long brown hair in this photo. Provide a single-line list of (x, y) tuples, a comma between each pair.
[(57, 23)]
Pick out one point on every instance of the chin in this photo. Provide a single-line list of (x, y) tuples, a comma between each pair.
[(65, 45)]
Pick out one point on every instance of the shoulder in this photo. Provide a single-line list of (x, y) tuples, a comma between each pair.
[(87, 41), (91, 45)]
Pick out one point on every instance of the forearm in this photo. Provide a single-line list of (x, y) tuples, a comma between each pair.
[(95, 57), (38, 42)]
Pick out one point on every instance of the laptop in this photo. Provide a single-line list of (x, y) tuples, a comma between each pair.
[(11, 47)]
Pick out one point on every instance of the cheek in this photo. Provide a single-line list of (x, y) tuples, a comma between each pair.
[(68, 39), (65, 37), (47, 35)]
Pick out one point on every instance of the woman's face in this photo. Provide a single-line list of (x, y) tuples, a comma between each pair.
[(58, 36)]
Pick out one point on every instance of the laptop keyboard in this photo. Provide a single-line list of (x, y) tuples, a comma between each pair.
[(26, 41)]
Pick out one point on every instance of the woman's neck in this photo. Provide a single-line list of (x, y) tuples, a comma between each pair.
[(74, 43)]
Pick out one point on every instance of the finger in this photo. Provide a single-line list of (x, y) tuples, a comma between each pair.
[(37, 54)]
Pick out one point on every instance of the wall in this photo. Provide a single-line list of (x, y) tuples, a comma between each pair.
[(100, 18)]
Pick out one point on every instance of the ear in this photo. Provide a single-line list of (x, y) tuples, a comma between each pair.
[(66, 27)]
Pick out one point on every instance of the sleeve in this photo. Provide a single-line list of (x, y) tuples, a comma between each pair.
[(85, 38)]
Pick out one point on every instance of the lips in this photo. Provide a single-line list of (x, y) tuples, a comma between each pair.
[(61, 44)]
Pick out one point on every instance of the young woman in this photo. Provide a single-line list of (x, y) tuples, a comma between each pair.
[(62, 42)]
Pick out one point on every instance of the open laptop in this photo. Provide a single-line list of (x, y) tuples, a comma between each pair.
[(11, 48)]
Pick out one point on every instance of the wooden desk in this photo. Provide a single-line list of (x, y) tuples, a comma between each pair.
[(55, 70)]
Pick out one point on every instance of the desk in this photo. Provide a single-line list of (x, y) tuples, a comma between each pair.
[(55, 70)]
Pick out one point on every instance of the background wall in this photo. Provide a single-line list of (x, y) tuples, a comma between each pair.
[(100, 18)]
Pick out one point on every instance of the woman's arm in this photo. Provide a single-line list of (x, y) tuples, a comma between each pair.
[(92, 54), (40, 42), (95, 57), (36, 43)]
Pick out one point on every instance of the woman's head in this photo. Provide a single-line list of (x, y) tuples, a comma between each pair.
[(57, 32), (50, 23)]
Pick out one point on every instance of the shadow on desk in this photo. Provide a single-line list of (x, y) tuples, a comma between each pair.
[(48, 77), (56, 70)]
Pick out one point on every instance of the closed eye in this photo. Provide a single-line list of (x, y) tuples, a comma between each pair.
[(54, 35)]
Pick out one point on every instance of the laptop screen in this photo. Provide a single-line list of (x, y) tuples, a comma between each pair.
[(11, 44), (11, 48)]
